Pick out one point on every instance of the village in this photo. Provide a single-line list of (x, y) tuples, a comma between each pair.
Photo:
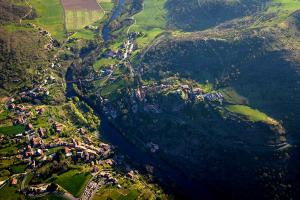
[(185, 92), (38, 144), (39, 147), (139, 95), (77, 149)]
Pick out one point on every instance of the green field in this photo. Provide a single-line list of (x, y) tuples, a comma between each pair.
[(104, 62), (9, 149), (4, 114), (232, 97), (151, 21), (16, 27), (250, 114), (16, 169), (78, 19), (84, 34), (110, 89), (152, 16), (6, 163), (73, 181), (282, 10), (284, 6), (8, 192), (12, 130), (107, 5), (51, 17)]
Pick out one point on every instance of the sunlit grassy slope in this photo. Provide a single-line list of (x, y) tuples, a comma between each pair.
[(281, 9), (250, 113), (151, 21), (83, 34), (51, 16), (73, 181)]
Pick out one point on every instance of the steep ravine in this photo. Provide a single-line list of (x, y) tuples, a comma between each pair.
[(174, 181), (231, 156)]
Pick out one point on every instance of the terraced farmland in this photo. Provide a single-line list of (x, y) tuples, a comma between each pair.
[(78, 19), (79, 13)]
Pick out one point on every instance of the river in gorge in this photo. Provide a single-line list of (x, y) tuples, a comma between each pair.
[(106, 31)]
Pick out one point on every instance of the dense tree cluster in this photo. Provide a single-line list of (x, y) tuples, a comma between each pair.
[(12, 13), (200, 14), (20, 55), (136, 6)]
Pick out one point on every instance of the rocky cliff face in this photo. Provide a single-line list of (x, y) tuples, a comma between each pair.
[(232, 155), (257, 65), (227, 154)]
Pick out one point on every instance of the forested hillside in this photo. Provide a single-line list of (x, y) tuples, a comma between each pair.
[(211, 87), (192, 15), (150, 99)]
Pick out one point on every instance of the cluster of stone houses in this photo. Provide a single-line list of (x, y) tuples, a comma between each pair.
[(101, 179), (123, 53), (52, 42), (107, 178), (40, 90), (198, 94), (36, 146), (23, 114), (139, 94), (86, 152), (37, 189), (90, 190), (34, 137), (214, 96), (108, 109), (191, 93), (129, 47)]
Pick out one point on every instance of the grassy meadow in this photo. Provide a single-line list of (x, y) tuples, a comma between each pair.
[(73, 181), (151, 21), (10, 192), (107, 5), (78, 19), (104, 62), (50, 16), (284, 6), (282, 10), (84, 34), (12, 130), (250, 114)]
